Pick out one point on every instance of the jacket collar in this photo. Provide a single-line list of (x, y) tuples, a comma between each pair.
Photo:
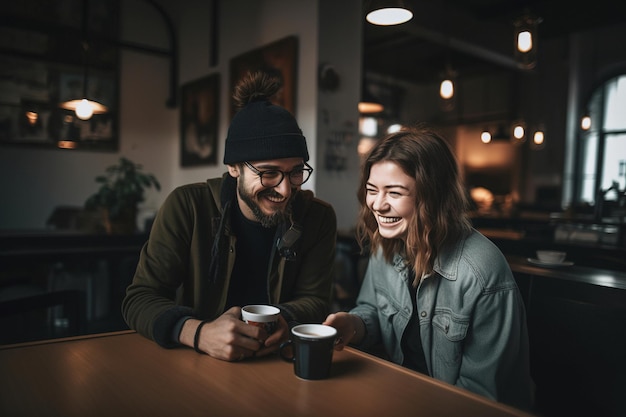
[(446, 264)]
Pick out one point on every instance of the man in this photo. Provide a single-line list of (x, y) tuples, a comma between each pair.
[(250, 237)]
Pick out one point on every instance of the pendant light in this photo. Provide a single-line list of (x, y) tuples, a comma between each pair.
[(585, 119), (369, 104), (447, 86), (387, 12), (83, 107), (526, 40), (485, 136), (447, 89), (539, 137), (518, 132)]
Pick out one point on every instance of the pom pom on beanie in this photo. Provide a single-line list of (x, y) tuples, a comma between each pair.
[(261, 130)]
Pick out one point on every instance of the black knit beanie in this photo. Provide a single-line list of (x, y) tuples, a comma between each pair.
[(262, 131)]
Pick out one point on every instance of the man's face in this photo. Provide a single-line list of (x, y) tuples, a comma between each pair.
[(267, 205)]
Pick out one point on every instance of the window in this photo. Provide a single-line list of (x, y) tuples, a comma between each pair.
[(602, 148)]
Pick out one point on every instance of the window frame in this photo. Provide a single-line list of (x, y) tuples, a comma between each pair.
[(597, 109)]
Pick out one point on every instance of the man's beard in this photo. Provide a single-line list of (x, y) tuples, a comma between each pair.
[(266, 220)]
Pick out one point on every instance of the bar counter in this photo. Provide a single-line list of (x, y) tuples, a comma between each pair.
[(123, 373), (576, 317), (575, 273)]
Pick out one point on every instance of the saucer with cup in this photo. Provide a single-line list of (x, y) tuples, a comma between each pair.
[(550, 258)]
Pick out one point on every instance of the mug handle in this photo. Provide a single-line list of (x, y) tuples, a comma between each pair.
[(283, 355)]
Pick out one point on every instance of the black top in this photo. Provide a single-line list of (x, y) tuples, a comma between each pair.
[(411, 339), (248, 282)]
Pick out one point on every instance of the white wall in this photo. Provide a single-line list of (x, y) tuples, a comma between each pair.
[(34, 181), (246, 25), (340, 41)]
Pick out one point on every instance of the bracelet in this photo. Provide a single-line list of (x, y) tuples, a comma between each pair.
[(196, 338)]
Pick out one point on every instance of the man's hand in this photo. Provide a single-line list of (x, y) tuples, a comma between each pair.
[(272, 343), (231, 339)]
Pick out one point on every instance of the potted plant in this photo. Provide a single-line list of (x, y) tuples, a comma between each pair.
[(122, 189)]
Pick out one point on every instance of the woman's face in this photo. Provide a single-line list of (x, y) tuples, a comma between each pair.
[(390, 196)]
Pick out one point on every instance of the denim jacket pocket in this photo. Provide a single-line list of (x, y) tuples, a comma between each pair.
[(387, 308), (449, 332), (391, 323)]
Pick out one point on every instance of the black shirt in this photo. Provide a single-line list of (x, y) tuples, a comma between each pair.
[(248, 282), (411, 339)]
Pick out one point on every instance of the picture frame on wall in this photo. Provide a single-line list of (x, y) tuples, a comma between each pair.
[(44, 62), (279, 58), (199, 120)]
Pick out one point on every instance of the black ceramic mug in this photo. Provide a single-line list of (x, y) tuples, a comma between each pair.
[(310, 348)]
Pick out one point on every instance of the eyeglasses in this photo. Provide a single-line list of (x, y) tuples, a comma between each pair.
[(273, 177)]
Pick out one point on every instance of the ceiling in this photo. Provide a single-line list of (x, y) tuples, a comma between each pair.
[(472, 36)]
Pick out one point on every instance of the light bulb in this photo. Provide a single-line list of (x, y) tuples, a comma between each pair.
[(32, 117), (518, 132), (84, 110), (368, 126), (485, 137), (446, 90), (585, 123), (366, 107), (389, 16), (524, 41), (393, 128), (538, 138), (67, 144)]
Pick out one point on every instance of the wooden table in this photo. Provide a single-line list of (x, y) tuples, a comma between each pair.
[(124, 374)]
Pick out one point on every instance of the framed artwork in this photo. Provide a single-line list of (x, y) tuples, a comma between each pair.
[(44, 62), (279, 58), (199, 118)]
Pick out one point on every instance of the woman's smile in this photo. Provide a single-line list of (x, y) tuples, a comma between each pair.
[(389, 195), (388, 220)]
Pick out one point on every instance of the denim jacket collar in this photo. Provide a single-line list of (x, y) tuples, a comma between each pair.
[(446, 264)]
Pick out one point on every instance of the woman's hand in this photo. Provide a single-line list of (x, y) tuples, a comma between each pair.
[(350, 328)]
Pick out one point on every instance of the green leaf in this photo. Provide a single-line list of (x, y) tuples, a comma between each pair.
[(123, 187)]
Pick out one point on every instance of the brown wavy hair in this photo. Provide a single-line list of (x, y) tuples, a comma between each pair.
[(441, 204)]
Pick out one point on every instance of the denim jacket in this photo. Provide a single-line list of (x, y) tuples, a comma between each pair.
[(471, 316)]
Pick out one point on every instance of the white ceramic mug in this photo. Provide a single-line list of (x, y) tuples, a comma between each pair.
[(261, 315)]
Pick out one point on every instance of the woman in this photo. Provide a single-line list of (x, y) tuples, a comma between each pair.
[(438, 295)]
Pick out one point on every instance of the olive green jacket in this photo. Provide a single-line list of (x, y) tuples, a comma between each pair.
[(175, 278)]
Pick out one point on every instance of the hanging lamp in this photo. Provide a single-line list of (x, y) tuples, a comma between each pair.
[(526, 40), (447, 89), (485, 136), (539, 137), (585, 121), (387, 12), (518, 132), (83, 107), (585, 118), (369, 104)]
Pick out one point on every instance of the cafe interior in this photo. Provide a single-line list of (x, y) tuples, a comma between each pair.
[(530, 94)]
